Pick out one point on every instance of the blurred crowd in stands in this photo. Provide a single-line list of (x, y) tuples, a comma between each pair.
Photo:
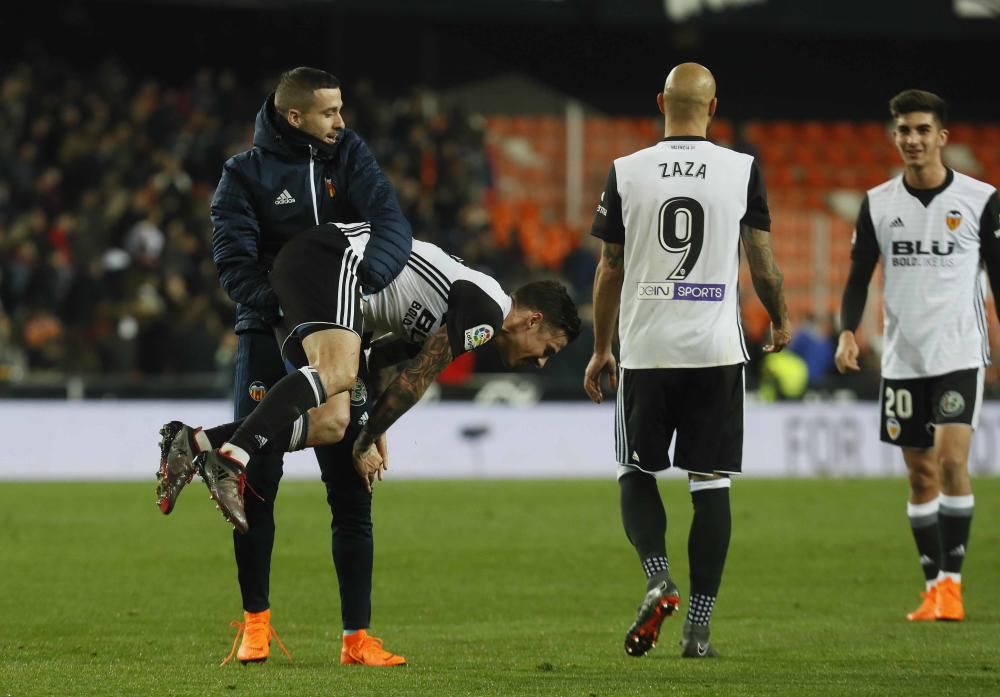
[(105, 240), (105, 184)]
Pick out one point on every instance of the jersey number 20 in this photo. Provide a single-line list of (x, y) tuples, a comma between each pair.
[(682, 231), (898, 402)]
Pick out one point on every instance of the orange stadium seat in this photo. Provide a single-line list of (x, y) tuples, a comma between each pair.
[(773, 152), (867, 154), (721, 132), (988, 134), (817, 176), (806, 154), (780, 177), (754, 132), (873, 132), (846, 177), (500, 125), (844, 132), (962, 133), (988, 154), (872, 176), (785, 131), (814, 199), (814, 132)]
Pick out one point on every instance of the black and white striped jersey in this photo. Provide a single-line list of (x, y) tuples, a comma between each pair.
[(677, 207), (933, 244), (434, 289)]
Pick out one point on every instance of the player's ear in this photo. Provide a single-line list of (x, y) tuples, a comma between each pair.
[(659, 101), (535, 318), (294, 117), (713, 105), (943, 137)]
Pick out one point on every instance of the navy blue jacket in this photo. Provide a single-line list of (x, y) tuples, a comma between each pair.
[(288, 182)]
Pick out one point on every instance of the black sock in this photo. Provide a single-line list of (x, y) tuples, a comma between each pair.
[(955, 520), (218, 435), (708, 541), (700, 609), (924, 522), (292, 396), (644, 519), (289, 439)]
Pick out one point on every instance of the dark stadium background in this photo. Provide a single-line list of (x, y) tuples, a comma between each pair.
[(780, 59)]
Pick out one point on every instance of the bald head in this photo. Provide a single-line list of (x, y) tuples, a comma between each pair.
[(688, 93)]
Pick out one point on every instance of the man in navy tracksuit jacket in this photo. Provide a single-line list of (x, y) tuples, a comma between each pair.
[(292, 179)]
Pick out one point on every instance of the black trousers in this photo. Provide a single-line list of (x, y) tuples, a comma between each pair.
[(259, 364)]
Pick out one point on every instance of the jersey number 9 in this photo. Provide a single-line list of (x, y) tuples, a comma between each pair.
[(682, 231)]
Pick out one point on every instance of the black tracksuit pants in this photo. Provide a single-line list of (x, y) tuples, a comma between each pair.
[(258, 360)]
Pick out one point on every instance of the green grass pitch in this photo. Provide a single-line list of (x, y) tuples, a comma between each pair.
[(488, 588)]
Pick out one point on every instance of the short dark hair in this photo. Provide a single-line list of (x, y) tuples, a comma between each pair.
[(909, 101), (552, 299), (296, 87)]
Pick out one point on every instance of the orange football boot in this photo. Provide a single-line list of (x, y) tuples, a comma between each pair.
[(361, 648), (927, 612), (949, 601), (257, 631)]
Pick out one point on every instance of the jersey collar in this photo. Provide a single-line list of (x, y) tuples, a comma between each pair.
[(925, 196), (682, 138)]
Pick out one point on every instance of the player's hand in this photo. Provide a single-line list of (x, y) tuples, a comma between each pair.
[(780, 338), (382, 445), (846, 357), (367, 461), (600, 364)]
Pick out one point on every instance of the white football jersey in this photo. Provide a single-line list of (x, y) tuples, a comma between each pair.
[(434, 289), (935, 316), (677, 208)]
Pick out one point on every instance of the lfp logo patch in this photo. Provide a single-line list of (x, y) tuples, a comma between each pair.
[(952, 403), (477, 336), (257, 390), (953, 220)]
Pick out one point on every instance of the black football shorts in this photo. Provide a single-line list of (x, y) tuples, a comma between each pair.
[(315, 279), (911, 408), (703, 406)]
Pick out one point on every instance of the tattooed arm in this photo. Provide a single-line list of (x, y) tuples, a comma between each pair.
[(767, 281), (608, 281), (388, 357), (407, 388)]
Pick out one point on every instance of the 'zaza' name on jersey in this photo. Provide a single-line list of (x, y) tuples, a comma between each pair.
[(683, 169)]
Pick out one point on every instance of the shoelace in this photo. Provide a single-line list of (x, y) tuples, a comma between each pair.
[(241, 480), (369, 639), (244, 484), (240, 629)]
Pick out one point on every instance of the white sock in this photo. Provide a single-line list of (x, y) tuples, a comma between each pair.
[(235, 452), (201, 441)]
